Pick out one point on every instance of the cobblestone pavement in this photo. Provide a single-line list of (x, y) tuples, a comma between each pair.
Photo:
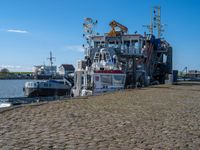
[(164, 117)]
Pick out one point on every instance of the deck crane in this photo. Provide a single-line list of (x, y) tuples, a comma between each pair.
[(114, 32)]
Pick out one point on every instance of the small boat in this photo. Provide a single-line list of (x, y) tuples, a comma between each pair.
[(47, 88)]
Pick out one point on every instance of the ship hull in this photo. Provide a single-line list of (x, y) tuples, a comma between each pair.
[(46, 88), (34, 92)]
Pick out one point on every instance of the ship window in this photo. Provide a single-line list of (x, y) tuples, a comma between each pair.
[(106, 79), (118, 79), (111, 44), (97, 78), (164, 58), (45, 85), (137, 45)]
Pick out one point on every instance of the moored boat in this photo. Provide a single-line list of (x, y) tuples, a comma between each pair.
[(47, 88)]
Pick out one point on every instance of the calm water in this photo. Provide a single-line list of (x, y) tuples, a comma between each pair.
[(11, 88)]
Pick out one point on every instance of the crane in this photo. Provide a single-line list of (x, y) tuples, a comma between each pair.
[(184, 75), (113, 24)]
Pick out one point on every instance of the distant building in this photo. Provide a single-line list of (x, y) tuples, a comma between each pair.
[(193, 74), (65, 69)]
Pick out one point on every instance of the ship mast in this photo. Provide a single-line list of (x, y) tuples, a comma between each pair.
[(155, 22), (89, 26), (51, 58)]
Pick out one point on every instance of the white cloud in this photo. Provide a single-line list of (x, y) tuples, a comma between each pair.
[(77, 48), (17, 31), (16, 67)]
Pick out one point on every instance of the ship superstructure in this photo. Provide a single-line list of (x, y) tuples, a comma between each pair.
[(110, 61), (44, 71)]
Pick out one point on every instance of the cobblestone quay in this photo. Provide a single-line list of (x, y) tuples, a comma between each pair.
[(161, 117)]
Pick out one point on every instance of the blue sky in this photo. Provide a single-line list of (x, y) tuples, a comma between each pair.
[(30, 29)]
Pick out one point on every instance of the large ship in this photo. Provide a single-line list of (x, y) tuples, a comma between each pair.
[(118, 60)]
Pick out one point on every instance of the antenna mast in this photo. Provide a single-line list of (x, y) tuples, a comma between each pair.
[(89, 26)]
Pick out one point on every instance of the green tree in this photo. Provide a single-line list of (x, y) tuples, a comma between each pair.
[(4, 71)]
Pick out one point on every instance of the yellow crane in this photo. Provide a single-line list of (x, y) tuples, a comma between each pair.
[(114, 25)]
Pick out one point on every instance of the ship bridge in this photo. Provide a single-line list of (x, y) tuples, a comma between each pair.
[(131, 44)]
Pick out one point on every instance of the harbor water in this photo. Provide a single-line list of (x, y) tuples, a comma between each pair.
[(10, 89)]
